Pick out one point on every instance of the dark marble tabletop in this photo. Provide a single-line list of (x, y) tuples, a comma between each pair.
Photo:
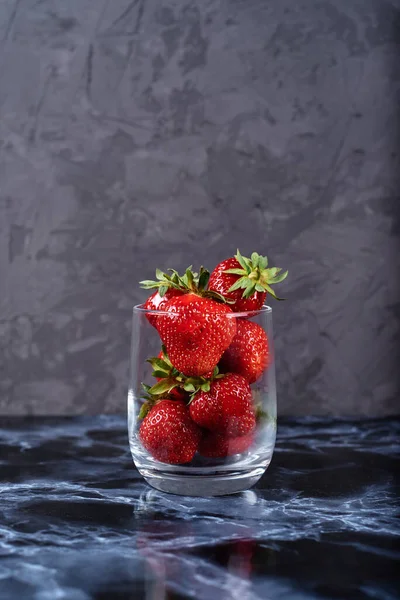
[(78, 523)]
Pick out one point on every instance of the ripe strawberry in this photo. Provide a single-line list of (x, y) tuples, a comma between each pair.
[(169, 434), (196, 331), (245, 281), (248, 353), (227, 408), (218, 445), (158, 302)]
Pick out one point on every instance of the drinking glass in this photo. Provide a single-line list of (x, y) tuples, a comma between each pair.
[(202, 476)]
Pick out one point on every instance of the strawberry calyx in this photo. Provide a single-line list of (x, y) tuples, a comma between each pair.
[(262, 416), (169, 379), (148, 402), (189, 282), (254, 276), (151, 399), (260, 413)]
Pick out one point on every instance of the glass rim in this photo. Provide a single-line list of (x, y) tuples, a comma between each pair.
[(264, 310)]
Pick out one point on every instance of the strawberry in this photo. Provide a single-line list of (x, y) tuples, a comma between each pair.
[(218, 445), (248, 354), (245, 281), (227, 408), (169, 434), (157, 302), (195, 331)]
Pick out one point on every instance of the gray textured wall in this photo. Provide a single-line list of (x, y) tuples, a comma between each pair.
[(144, 133)]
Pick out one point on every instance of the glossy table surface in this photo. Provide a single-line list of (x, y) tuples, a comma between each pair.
[(77, 522)]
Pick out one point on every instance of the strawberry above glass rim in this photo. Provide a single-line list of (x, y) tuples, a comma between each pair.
[(202, 394), (245, 282)]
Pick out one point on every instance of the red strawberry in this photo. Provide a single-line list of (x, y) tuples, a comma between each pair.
[(196, 331), (248, 353), (169, 434), (157, 302), (245, 281), (218, 445), (227, 408)]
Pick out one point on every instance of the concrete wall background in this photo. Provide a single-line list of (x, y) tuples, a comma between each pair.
[(136, 134)]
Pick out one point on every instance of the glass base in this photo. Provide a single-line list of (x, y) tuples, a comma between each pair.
[(202, 485)]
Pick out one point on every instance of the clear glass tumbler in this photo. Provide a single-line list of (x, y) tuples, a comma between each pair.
[(244, 458)]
